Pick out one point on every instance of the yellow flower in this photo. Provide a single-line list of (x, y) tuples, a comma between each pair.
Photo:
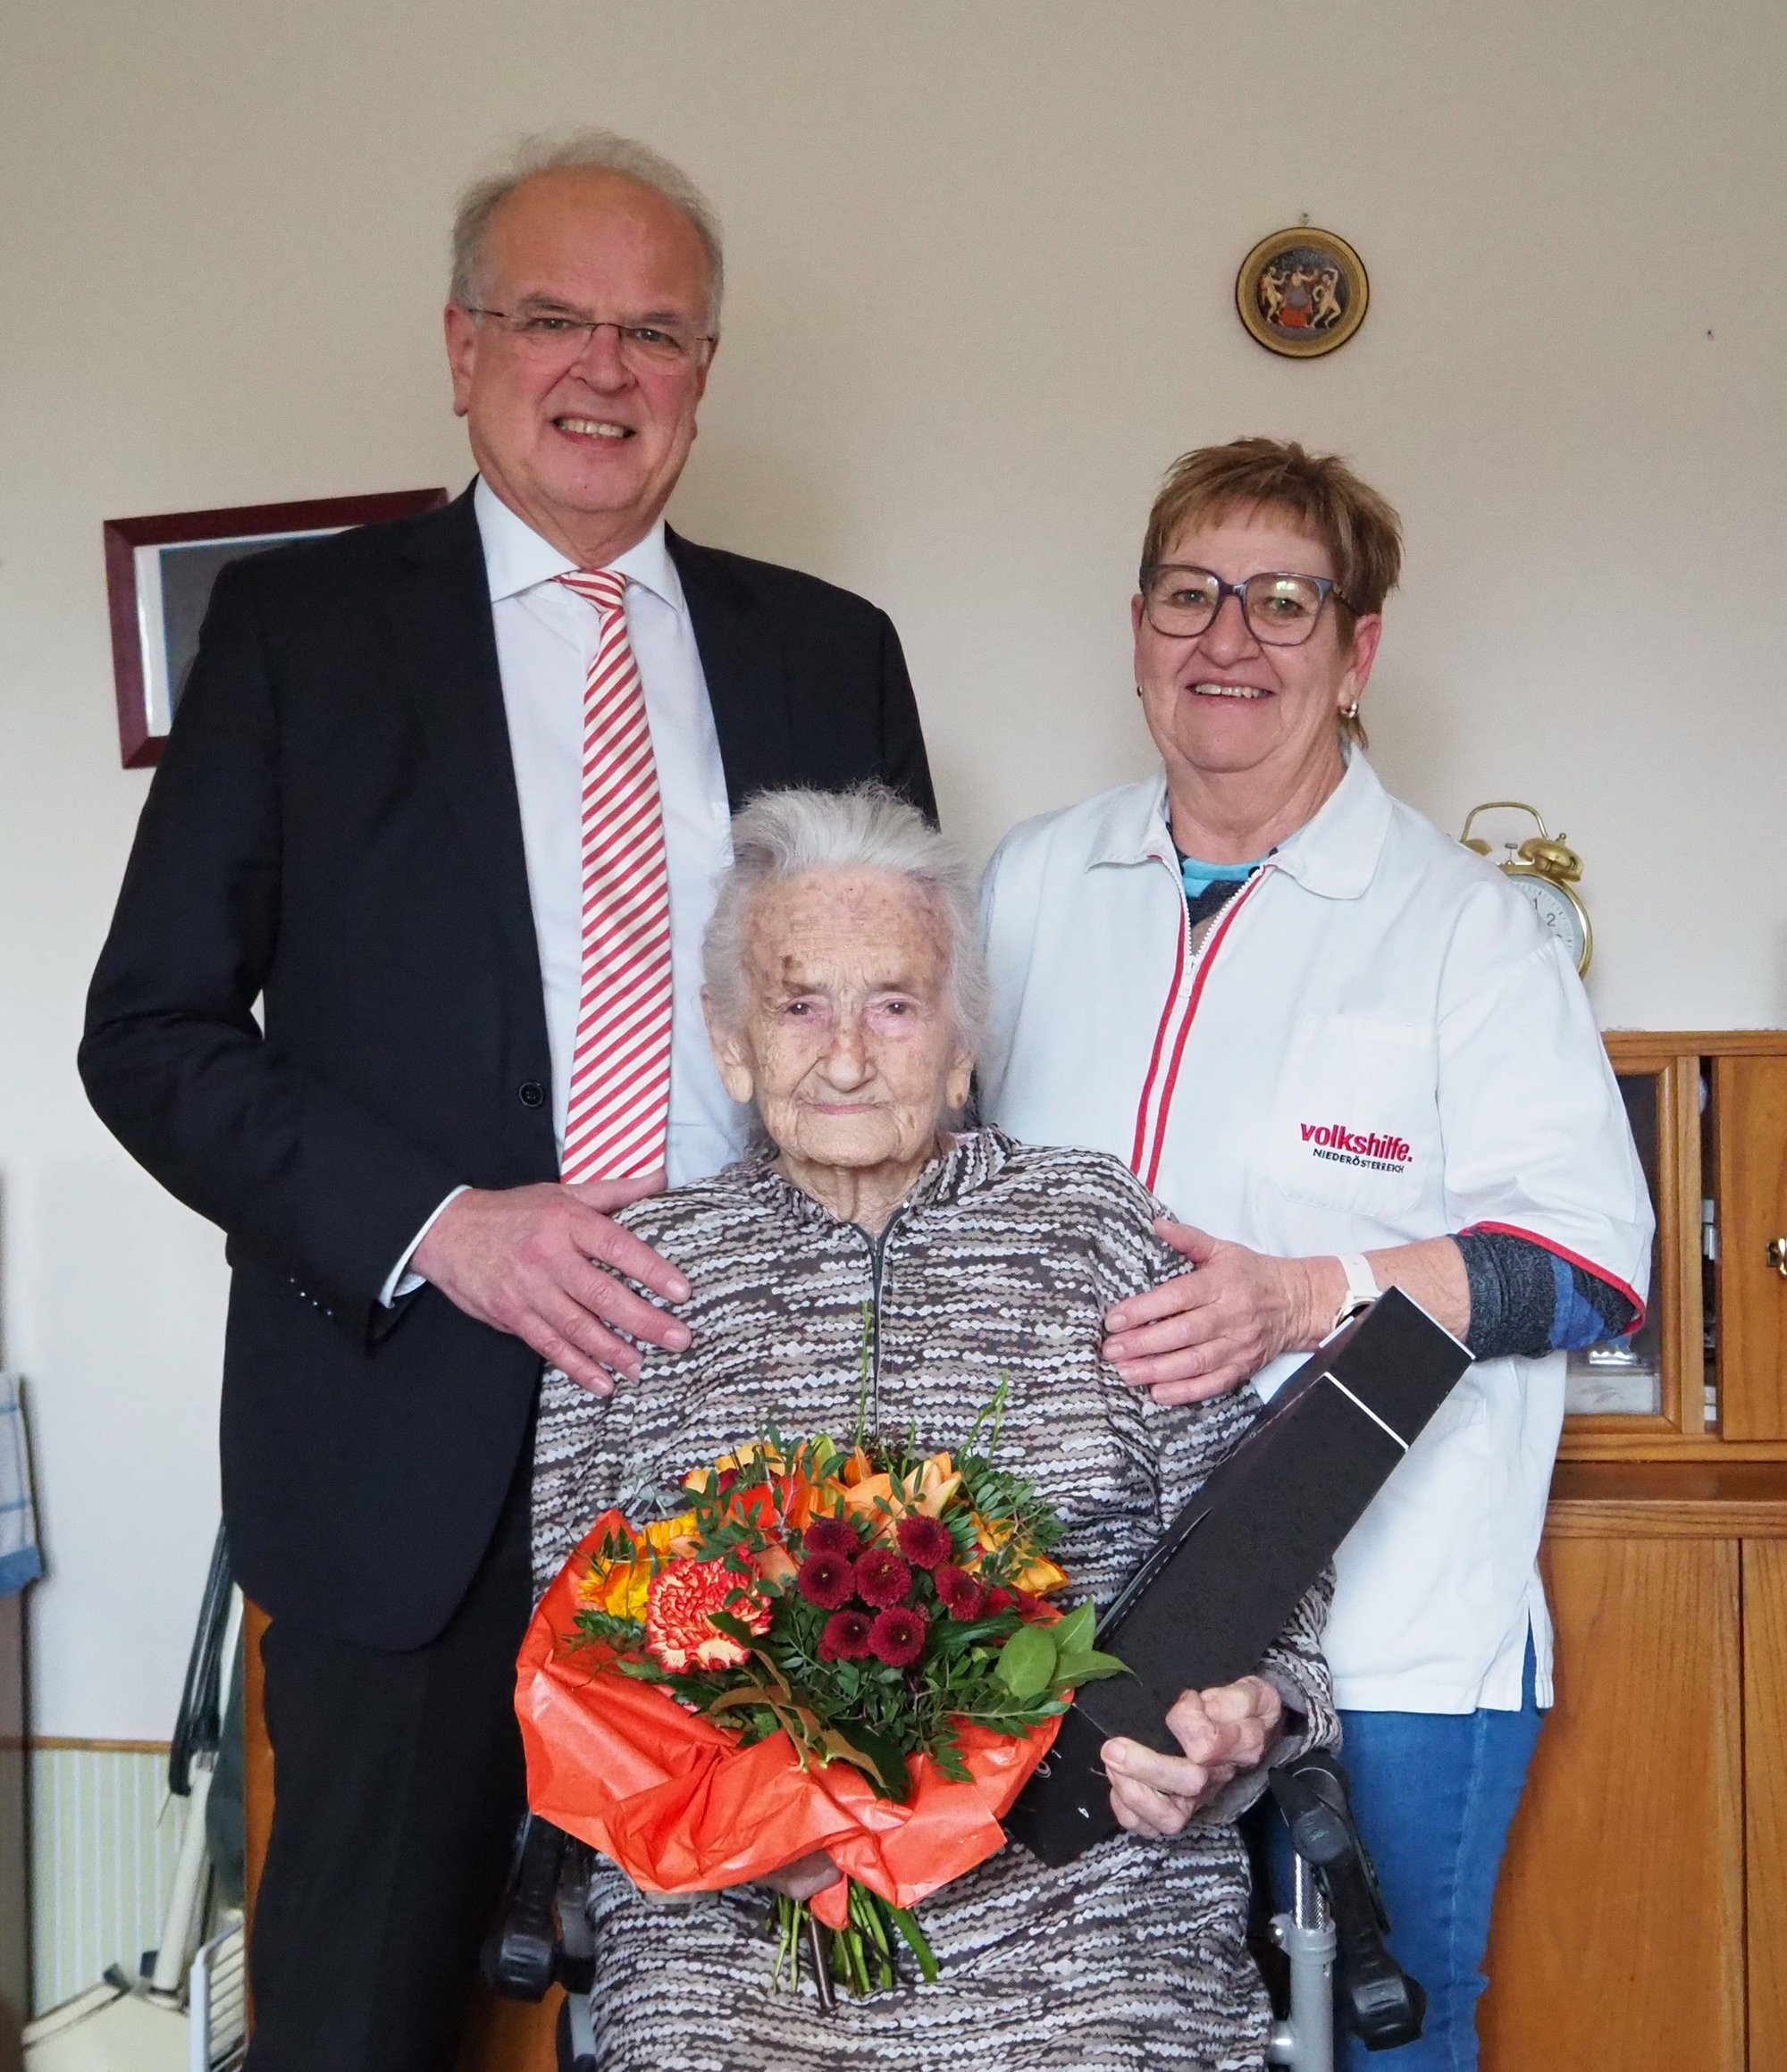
[(1039, 1575), (621, 1587), (667, 1536)]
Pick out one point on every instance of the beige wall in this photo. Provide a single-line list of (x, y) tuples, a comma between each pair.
[(983, 257)]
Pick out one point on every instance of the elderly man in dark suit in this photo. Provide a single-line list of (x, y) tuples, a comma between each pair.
[(445, 797)]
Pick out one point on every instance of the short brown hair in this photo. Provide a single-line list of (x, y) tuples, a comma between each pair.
[(1318, 492)]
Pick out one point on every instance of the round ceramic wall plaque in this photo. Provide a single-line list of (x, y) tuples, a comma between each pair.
[(1302, 292)]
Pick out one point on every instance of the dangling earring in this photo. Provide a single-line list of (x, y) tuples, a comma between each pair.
[(1350, 711)]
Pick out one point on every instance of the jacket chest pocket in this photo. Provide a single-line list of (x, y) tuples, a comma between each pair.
[(1354, 1127)]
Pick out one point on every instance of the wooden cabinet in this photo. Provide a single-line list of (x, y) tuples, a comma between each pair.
[(1749, 1116), (1641, 1920), (1765, 1741), (1709, 1112)]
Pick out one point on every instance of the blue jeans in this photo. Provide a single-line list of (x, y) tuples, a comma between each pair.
[(1435, 1794)]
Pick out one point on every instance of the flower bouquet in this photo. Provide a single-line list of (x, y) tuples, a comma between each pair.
[(824, 1647)]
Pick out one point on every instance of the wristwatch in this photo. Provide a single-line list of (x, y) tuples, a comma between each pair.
[(1362, 1287)]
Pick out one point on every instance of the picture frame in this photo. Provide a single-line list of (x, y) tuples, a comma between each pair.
[(159, 571), (1302, 292)]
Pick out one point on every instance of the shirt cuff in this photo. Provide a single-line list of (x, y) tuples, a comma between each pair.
[(400, 1282)]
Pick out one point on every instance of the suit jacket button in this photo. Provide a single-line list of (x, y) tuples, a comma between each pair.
[(532, 1094)]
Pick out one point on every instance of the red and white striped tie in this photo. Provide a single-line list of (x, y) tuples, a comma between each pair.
[(618, 1118)]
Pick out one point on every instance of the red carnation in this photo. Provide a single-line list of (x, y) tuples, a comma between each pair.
[(679, 1630), (924, 1541), (846, 1637), (964, 1597), (882, 1578), (826, 1580), (998, 1601), (897, 1635), (833, 1536)]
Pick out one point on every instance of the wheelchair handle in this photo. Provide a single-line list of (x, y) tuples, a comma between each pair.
[(1381, 2002)]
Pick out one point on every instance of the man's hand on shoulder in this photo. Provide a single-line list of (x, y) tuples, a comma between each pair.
[(543, 1262)]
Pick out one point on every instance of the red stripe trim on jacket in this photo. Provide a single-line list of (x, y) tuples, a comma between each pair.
[(1198, 985), (1160, 1040), (1573, 1258)]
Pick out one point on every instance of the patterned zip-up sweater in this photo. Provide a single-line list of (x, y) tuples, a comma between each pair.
[(1000, 1263)]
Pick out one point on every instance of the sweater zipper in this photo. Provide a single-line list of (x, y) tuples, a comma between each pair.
[(878, 1263)]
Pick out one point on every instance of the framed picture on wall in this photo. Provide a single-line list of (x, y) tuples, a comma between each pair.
[(159, 576)]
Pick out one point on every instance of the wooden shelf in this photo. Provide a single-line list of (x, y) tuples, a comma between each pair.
[(1707, 1043), (1668, 1499)]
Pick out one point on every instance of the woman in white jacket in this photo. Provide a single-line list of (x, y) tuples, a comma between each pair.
[(1342, 1047)]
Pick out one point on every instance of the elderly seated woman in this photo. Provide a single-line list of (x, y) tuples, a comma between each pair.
[(845, 991)]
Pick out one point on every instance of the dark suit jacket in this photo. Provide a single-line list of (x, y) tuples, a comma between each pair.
[(333, 831)]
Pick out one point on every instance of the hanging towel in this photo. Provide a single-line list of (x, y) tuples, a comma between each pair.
[(19, 1561)]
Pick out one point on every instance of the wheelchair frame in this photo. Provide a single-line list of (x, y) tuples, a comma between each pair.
[(1333, 1936)]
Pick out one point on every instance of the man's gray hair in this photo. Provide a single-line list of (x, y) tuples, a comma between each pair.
[(785, 834), (581, 151)]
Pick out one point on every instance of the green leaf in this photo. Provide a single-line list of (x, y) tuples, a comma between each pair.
[(1091, 1666), (1074, 1634), (1027, 1662)]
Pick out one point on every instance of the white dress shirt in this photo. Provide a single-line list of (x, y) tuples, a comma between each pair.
[(546, 636)]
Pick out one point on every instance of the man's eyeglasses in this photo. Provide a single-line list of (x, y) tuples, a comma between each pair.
[(554, 337), (1281, 608)]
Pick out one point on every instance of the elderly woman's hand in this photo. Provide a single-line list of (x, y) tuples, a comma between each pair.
[(1208, 1330), (1222, 1731), (806, 1876)]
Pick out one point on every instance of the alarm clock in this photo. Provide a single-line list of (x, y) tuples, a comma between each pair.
[(1544, 870)]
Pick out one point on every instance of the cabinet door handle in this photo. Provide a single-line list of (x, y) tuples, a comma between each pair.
[(1777, 1254)]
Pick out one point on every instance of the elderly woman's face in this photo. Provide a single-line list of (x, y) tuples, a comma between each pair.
[(848, 1043), (1227, 703)]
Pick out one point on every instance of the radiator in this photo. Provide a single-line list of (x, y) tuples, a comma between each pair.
[(105, 1835)]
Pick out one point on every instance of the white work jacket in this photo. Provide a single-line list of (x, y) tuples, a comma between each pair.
[(1375, 1044)]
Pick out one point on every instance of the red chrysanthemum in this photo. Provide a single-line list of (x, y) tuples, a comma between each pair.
[(882, 1578), (679, 1628), (828, 1580), (924, 1541), (998, 1601), (964, 1597), (846, 1637), (833, 1536), (897, 1635)]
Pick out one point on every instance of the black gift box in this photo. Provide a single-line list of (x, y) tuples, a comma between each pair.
[(1228, 1571)]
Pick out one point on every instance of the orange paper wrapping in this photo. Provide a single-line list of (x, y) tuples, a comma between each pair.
[(682, 1808)]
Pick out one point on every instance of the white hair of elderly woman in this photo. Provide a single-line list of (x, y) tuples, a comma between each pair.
[(580, 151), (785, 834)]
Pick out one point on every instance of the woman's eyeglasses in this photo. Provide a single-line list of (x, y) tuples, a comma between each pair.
[(1281, 608)]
